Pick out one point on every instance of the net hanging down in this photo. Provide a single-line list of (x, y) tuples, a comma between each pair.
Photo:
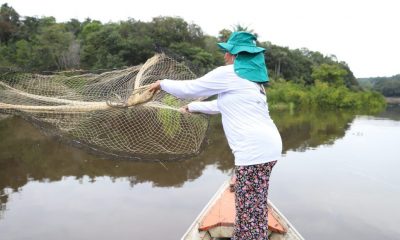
[(113, 112)]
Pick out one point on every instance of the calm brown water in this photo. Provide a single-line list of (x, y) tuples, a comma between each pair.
[(337, 179)]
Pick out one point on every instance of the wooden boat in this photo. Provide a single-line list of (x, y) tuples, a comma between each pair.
[(216, 220)]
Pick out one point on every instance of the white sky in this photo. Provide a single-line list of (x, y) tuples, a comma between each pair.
[(363, 33)]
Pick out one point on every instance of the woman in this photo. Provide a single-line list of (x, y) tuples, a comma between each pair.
[(251, 133)]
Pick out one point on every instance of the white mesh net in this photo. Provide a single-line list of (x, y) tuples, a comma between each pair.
[(112, 112)]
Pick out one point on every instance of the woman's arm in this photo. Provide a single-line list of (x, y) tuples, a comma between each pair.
[(210, 84), (207, 107)]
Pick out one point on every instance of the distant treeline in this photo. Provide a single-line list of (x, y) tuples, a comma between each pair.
[(41, 44), (388, 86)]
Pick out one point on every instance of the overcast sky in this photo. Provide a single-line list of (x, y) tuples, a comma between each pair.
[(363, 33)]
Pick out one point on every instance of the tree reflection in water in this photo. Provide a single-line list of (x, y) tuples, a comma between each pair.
[(304, 130), (28, 155)]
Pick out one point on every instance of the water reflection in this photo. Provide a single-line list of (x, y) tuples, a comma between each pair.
[(43, 158), (350, 189), (28, 155), (392, 112), (304, 130)]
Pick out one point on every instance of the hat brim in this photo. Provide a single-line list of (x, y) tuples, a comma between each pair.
[(225, 46), (235, 49)]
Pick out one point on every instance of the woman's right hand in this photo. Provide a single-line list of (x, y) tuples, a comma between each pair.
[(154, 87)]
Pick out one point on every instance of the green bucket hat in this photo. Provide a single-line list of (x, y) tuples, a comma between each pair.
[(249, 62)]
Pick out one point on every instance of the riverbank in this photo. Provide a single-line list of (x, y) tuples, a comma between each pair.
[(393, 100)]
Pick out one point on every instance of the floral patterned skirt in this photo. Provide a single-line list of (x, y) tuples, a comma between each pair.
[(251, 192)]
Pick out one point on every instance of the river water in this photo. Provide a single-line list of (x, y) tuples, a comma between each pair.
[(338, 179)]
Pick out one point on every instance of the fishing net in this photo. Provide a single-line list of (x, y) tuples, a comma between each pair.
[(112, 112)]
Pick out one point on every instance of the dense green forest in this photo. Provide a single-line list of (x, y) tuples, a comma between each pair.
[(41, 44), (388, 86)]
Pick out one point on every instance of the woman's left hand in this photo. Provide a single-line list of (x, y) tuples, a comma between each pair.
[(184, 109)]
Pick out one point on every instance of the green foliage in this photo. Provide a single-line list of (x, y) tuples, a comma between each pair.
[(102, 46), (282, 93), (298, 65), (308, 78), (332, 74), (93, 45), (168, 30), (37, 44), (9, 22), (23, 53), (49, 46), (223, 35), (74, 26), (6, 56), (322, 96), (202, 60), (388, 86)]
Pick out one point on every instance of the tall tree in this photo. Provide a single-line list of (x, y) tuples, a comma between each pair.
[(74, 26), (49, 47), (102, 46), (9, 22), (224, 34), (29, 28), (168, 30)]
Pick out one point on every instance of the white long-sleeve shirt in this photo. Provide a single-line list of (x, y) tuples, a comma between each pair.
[(251, 133)]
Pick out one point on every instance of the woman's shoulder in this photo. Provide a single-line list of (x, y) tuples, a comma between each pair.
[(223, 72), (226, 68)]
